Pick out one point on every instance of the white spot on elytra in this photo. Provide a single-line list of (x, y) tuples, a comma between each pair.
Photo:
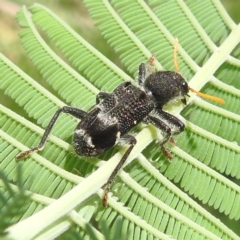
[(118, 134), (107, 119), (80, 132), (118, 137), (89, 141)]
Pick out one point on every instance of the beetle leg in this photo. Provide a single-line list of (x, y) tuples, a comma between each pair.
[(131, 141), (172, 121), (141, 74), (158, 123), (73, 111), (102, 96), (166, 130)]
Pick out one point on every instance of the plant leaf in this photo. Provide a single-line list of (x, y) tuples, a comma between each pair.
[(145, 195)]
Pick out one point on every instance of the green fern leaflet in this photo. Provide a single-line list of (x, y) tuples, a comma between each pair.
[(151, 197)]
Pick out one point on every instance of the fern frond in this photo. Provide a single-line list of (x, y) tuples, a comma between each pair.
[(72, 87), (145, 195), (124, 41), (205, 12), (221, 121), (99, 70), (157, 29), (12, 204), (150, 204), (56, 150), (32, 96)]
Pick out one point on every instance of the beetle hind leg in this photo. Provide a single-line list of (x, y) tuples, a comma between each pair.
[(131, 141), (70, 110)]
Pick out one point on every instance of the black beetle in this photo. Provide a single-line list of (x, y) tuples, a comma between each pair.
[(116, 113)]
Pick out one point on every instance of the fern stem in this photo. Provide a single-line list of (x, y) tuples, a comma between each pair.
[(41, 160), (135, 219), (130, 34), (29, 80), (168, 35), (206, 169), (34, 128), (54, 56), (164, 207), (210, 136), (217, 58), (225, 87), (206, 39), (155, 173), (28, 228), (83, 42), (231, 24), (215, 109), (61, 227)]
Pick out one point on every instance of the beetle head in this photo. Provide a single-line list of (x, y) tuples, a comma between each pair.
[(166, 86)]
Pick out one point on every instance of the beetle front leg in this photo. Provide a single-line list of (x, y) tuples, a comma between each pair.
[(73, 111), (144, 70), (172, 121), (102, 96), (132, 141), (166, 130), (141, 73)]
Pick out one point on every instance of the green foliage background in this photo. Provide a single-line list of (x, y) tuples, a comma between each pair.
[(77, 17)]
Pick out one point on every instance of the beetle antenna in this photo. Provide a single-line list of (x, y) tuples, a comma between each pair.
[(152, 60), (216, 99), (175, 50)]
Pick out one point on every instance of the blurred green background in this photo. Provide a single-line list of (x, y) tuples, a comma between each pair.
[(76, 15)]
